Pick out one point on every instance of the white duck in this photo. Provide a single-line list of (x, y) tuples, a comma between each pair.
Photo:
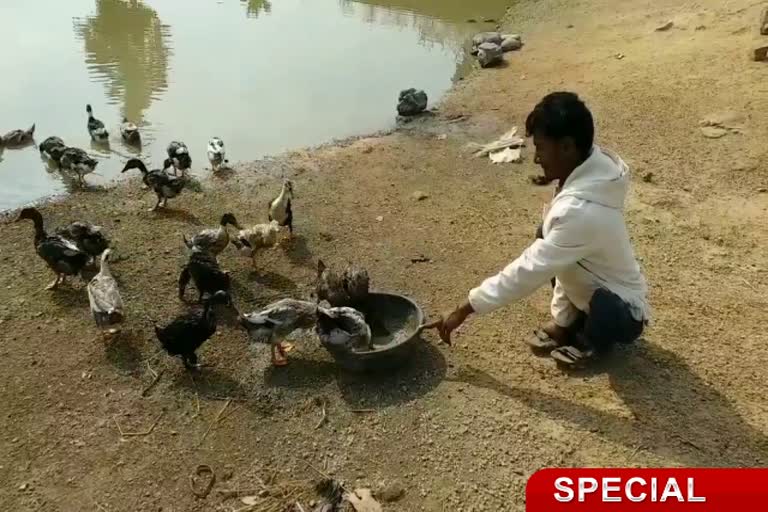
[(104, 297), (273, 324), (216, 153), (280, 207)]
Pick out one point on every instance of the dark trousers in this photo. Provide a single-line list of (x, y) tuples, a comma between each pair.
[(609, 321)]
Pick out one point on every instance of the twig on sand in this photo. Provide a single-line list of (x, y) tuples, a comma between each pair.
[(324, 416), (137, 434), (634, 452), (326, 476), (754, 288), (155, 379), (197, 395), (216, 419), (299, 508)]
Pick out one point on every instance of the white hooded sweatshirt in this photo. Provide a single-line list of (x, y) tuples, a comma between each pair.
[(586, 246)]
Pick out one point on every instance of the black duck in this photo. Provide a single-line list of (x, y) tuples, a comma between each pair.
[(203, 269), (61, 255), (186, 333), (163, 184)]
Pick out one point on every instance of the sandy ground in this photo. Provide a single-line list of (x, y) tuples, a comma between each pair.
[(461, 428)]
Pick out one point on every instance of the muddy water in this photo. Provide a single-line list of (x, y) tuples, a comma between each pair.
[(264, 76)]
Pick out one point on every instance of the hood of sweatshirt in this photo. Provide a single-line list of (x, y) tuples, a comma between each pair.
[(603, 178)]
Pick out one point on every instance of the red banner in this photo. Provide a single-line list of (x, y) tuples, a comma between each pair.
[(647, 490)]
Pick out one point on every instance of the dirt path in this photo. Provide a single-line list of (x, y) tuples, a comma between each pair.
[(462, 428)]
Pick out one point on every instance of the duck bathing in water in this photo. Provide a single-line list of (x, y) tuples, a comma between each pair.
[(78, 161), (53, 148), (61, 255), (130, 132), (96, 128), (343, 329), (18, 138)]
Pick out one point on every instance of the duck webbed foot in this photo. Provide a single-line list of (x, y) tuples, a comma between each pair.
[(56, 282), (278, 355)]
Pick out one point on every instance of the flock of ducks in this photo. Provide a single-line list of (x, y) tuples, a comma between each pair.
[(338, 313), (78, 162)]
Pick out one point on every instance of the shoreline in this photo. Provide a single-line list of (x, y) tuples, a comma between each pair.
[(471, 422)]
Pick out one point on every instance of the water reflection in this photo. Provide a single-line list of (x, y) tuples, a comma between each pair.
[(127, 48), (455, 11), (255, 7)]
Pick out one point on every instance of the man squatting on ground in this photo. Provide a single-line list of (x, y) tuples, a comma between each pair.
[(599, 292)]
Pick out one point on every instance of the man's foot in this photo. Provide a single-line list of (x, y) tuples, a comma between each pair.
[(549, 337), (572, 357)]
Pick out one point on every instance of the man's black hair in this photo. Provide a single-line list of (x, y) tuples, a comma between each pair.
[(560, 115)]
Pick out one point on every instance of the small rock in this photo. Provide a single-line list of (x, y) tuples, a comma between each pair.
[(489, 20), (668, 25), (411, 102), (569, 26), (713, 132), (764, 21), (760, 54), (379, 218), (23, 487), (263, 493), (391, 493), (762, 190), (619, 56), (489, 54), (419, 195), (700, 27), (648, 177), (471, 20), (485, 37), (367, 149), (511, 42)]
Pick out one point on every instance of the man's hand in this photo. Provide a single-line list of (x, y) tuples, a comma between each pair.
[(451, 321)]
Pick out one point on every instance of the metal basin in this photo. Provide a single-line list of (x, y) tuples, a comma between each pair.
[(395, 322)]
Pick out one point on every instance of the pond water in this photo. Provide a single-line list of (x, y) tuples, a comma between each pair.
[(264, 75)]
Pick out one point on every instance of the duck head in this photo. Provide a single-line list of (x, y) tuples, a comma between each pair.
[(32, 214), (220, 297), (89, 110), (229, 218), (288, 188), (135, 163)]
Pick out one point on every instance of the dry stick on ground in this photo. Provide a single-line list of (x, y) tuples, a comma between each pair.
[(215, 420), (136, 434), (324, 417), (327, 477), (155, 378), (197, 395), (362, 411)]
